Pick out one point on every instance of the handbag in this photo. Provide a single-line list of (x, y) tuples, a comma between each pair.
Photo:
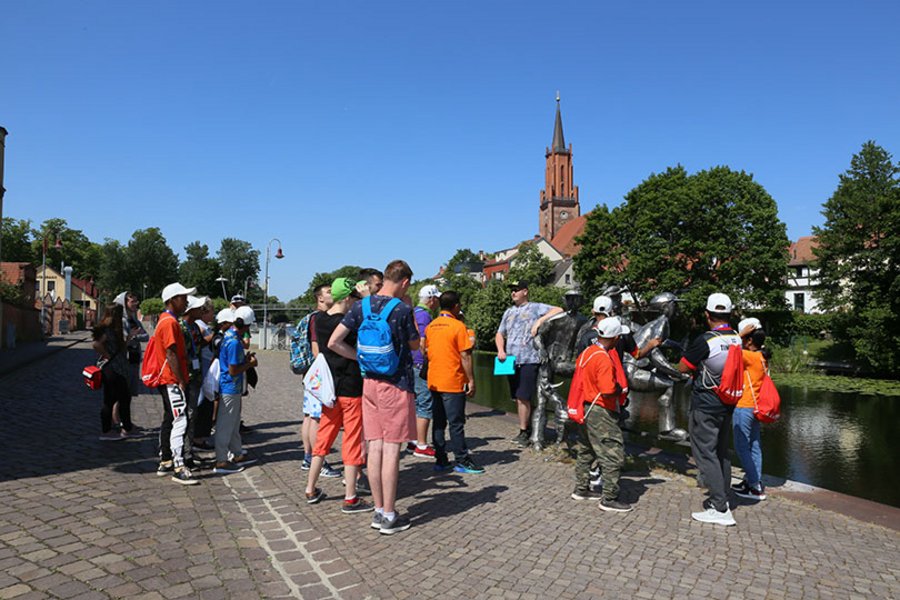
[(93, 377)]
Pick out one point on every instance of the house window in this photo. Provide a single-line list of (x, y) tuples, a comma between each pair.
[(800, 302), (799, 271), (568, 278)]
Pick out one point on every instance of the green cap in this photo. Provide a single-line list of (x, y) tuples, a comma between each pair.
[(343, 287)]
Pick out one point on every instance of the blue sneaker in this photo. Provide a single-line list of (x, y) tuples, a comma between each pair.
[(442, 467), (329, 471), (467, 465)]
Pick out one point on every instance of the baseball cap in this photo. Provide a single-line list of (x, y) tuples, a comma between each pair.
[(603, 304), (245, 313), (718, 303), (610, 328), (748, 322), (237, 298), (343, 287), (196, 302), (521, 284), (429, 291), (226, 315), (176, 289)]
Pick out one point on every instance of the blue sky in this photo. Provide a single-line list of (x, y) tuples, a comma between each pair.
[(358, 132)]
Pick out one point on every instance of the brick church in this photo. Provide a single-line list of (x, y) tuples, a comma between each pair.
[(559, 198)]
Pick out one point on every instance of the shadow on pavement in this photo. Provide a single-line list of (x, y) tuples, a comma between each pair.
[(444, 503)]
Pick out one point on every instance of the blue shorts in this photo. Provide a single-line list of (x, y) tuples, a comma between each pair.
[(423, 396), (523, 383), (311, 406)]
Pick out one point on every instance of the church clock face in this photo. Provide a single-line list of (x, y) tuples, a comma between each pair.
[(564, 215)]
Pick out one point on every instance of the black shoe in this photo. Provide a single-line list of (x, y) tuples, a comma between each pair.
[(467, 465), (585, 495), (315, 497), (745, 491), (395, 525), (614, 506), (184, 477), (356, 505), (523, 439), (244, 428), (166, 467)]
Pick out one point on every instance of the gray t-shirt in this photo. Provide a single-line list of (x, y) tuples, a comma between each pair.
[(515, 326)]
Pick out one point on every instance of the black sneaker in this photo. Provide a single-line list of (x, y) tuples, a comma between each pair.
[(184, 477), (745, 491), (395, 525), (227, 468), (329, 471), (315, 497), (522, 440), (356, 505), (166, 467), (467, 465), (585, 495), (377, 519), (305, 465), (614, 506)]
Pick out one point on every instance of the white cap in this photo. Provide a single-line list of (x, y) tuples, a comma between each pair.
[(429, 291), (120, 299), (196, 302), (237, 298), (749, 322), (176, 289), (226, 315), (718, 303), (610, 328), (603, 304), (245, 313)]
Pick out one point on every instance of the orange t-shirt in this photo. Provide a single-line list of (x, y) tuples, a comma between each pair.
[(754, 372), (446, 338), (168, 332), (598, 378)]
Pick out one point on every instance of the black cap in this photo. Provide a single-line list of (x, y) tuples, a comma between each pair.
[(516, 286)]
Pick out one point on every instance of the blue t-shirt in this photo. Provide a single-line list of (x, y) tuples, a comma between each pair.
[(231, 352), (515, 326), (403, 331)]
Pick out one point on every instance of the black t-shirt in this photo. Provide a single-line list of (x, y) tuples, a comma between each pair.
[(345, 372)]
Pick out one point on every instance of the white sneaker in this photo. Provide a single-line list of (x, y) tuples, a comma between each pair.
[(711, 515)]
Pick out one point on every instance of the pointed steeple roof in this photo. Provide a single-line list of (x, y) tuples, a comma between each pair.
[(559, 142)]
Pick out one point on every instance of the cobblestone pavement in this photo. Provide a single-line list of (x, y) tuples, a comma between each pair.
[(85, 519)]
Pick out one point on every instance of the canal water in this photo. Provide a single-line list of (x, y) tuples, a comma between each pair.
[(847, 443)]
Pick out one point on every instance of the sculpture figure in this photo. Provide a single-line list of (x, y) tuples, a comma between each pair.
[(556, 341)]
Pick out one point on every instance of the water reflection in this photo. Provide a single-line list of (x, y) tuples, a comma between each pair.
[(841, 442)]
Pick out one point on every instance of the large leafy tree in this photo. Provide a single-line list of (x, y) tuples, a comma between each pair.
[(238, 262), (76, 249), (716, 230), (150, 264), (858, 254), (16, 245), (529, 264), (199, 269), (113, 277)]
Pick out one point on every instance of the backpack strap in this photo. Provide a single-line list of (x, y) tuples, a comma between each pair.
[(386, 311), (367, 307)]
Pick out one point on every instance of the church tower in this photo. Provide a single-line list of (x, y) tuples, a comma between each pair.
[(559, 198)]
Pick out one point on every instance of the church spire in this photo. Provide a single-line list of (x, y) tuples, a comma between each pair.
[(559, 142)]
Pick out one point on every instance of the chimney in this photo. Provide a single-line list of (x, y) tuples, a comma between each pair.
[(68, 272)]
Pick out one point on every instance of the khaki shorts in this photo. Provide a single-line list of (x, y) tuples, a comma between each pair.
[(389, 413)]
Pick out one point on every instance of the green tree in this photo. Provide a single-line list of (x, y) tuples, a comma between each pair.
[(716, 230), (76, 250), (112, 275), (238, 262), (17, 243), (484, 312), (199, 270), (529, 264), (462, 261), (858, 254), (149, 261)]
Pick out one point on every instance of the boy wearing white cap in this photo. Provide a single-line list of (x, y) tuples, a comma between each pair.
[(429, 302), (173, 385), (709, 418)]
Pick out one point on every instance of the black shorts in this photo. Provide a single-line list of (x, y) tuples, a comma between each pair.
[(523, 383)]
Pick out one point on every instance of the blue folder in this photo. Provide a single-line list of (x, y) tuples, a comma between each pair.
[(504, 367)]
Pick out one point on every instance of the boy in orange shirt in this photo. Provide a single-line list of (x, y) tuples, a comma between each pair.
[(451, 379), (600, 436), (744, 424)]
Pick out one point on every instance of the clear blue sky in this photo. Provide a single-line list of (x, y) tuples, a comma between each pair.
[(360, 132)]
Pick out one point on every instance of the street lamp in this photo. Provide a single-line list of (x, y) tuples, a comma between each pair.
[(57, 245), (279, 254), (222, 280)]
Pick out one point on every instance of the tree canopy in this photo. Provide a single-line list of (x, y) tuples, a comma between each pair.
[(857, 257), (199, 270), (238, 261), (716, 230)]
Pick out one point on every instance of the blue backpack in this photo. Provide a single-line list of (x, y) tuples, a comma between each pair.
[(301, 348), (374, 344)]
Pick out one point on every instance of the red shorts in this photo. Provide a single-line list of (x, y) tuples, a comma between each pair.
[(388, 412), (346, 412)]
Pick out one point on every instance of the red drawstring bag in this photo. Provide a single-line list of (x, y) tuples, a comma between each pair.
[(731, 384), (767, 406), (93, 377)]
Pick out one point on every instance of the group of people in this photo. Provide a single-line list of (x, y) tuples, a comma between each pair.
[(385, 407), (387, 390)]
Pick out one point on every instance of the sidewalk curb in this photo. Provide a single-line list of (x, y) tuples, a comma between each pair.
[(48, 351)]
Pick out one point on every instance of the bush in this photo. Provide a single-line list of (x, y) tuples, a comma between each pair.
[(152, 307), (14, 295)]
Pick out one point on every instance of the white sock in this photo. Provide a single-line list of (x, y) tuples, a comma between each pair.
[(421, 446), (389, 516), (379, 511)]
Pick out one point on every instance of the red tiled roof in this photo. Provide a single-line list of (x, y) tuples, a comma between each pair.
[(801, 251), (564, 240), (11, 272)]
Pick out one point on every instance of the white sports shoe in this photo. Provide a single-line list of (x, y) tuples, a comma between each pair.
[(711, 515)]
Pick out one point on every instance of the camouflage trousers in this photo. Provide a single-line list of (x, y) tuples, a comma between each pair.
[(599, 439)]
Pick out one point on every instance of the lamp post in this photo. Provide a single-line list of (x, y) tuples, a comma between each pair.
[(143, 292), (278, 254), (58, 245), (222, 280)]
